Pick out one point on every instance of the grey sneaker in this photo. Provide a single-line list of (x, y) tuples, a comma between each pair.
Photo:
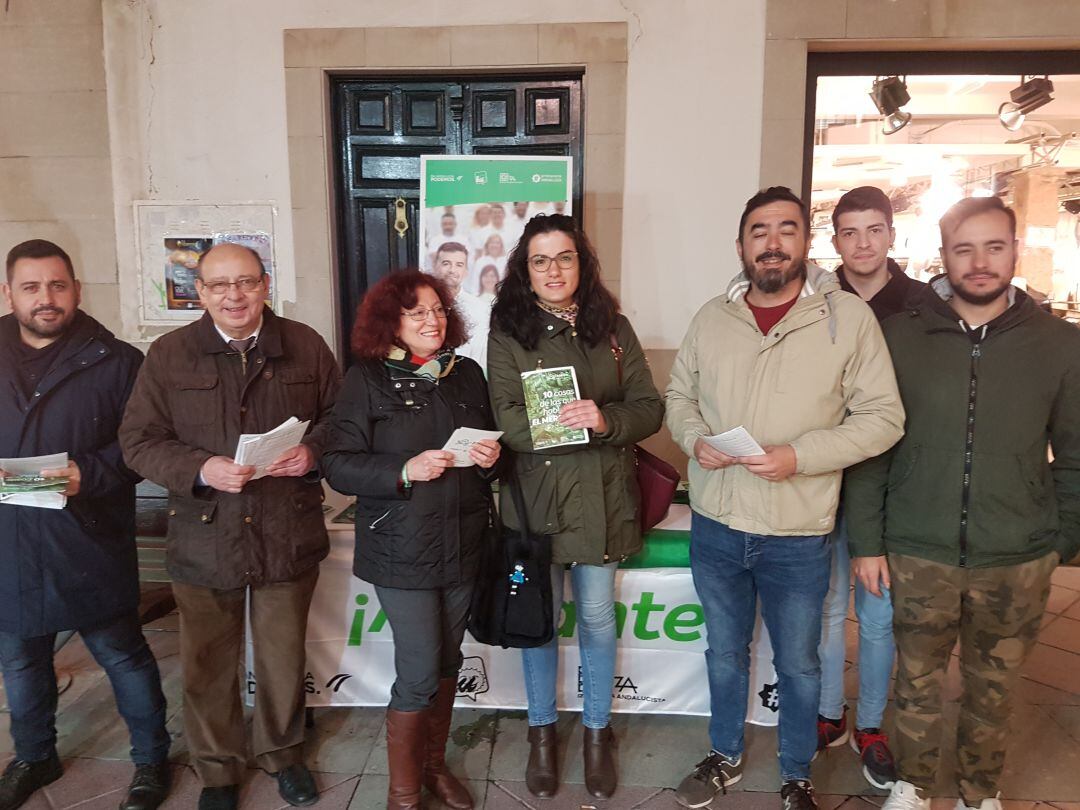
[(712, 775)]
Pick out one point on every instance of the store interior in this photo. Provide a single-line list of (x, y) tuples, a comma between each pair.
[(929, 140)]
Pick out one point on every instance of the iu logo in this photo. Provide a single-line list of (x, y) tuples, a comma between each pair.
[(472, 678)]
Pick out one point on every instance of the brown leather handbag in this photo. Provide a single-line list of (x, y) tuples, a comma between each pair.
[(656, 479)]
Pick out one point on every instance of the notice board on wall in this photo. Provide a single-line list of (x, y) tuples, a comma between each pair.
[(171, 236)]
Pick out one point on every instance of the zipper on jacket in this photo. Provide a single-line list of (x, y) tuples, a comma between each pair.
[(969, 445), (381, 517)]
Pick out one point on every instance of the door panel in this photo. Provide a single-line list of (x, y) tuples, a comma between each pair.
[(382, 127)]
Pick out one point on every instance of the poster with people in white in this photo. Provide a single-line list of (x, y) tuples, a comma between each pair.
[(473, 211)]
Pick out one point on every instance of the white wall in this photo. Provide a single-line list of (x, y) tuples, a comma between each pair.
[(197, 111)]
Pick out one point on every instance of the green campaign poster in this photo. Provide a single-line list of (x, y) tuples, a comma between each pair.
[(479, 204)]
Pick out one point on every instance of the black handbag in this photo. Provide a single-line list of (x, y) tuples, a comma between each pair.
[(511, 601)]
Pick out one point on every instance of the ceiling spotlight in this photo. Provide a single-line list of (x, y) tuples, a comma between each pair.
[(1030, 95), (889, 94)]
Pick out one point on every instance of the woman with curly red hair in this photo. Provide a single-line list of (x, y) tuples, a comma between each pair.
[(419, 519)]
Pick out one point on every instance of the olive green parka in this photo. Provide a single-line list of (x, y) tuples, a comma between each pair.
[(584, 495)]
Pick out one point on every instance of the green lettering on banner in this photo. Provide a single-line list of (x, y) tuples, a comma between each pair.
[(465, 182), (356, 629), (674, 625), (643, 608)]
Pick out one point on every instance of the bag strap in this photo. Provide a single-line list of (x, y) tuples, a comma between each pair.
[(617, 351), (519, 505)]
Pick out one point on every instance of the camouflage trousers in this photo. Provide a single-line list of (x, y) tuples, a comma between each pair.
[(995, 614)]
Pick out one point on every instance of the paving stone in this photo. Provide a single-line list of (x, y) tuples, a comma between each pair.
[(1067, 576), (260, 792), (1061, 599), (343, 738), (1064, 633), (575, 797), (1037, 694), (658, 750), (85, 779), (370, 793), (1053, 667)]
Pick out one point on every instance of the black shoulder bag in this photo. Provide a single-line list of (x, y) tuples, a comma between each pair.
[(511, 602)]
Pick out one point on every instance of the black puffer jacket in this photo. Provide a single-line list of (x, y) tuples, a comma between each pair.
[(427, 535)]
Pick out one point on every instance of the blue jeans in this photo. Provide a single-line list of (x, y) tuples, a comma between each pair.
[(731, 571), (876, 648), (120, 649), (594, 598)]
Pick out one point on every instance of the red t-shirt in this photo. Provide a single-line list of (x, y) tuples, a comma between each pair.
[(768, 317)]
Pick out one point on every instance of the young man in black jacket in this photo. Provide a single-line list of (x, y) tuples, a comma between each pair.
[(863, 234), (64, 381)]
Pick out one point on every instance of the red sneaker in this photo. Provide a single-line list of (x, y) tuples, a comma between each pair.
[(878, 765), (832, 733)]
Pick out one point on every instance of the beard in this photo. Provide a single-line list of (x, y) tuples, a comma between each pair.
[(771, 280), (44, 330), (983, 298)]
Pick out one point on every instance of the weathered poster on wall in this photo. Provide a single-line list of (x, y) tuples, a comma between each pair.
[(482, 203), (171, 239), (182, 256)]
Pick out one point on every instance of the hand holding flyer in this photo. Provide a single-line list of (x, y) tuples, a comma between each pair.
[(462, 439), (22, 482)]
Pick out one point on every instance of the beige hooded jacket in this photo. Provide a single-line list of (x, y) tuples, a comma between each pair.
[(821, 381)]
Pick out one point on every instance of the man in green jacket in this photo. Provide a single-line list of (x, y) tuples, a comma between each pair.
[(966, 519)]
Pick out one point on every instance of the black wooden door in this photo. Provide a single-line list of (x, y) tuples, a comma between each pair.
[(382, 127)]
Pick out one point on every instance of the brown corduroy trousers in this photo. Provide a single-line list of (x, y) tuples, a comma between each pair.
[(211, 643)]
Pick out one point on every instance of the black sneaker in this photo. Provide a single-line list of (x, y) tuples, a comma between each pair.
[(798, 794), (878, 765), (712, 775), (22, 779), (149, 787)]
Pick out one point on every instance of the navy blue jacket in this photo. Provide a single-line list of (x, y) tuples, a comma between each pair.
[(65, 569)]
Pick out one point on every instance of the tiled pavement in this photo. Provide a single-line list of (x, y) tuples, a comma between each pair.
[(348, 753)]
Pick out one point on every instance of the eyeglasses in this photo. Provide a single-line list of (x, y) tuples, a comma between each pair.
[(420, 315), (541, 263), (245, 284)]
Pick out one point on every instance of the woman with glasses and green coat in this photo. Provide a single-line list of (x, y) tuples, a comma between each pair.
[(552, 311), (419, 519)]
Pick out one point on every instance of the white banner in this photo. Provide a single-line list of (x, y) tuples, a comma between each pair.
[(660, 666)]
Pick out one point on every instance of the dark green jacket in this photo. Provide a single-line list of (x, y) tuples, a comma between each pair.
[(584, 495), (1021, 383)]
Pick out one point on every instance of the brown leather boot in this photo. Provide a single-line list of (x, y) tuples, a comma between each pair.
[(437, 777), (600, 779), (542, 772), (406, 740)]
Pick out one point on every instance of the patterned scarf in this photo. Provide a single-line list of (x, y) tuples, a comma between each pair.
[(434, 369), (568, 314)]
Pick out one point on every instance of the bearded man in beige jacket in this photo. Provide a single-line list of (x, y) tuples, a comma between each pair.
[(804, 368)]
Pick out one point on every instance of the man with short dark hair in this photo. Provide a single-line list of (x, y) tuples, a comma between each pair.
[(451, 267), (966, 518), (239, 369), (64, 381), (862, 234), (803, 367)]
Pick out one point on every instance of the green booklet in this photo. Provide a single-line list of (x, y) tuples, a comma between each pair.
[(546, 391), (14, 484)]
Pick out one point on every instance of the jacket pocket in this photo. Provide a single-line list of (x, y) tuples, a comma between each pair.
[(301, 392), (305, 509), (194, 400), (1037, 477), (191, 542), (902, 466), (539, 482)]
